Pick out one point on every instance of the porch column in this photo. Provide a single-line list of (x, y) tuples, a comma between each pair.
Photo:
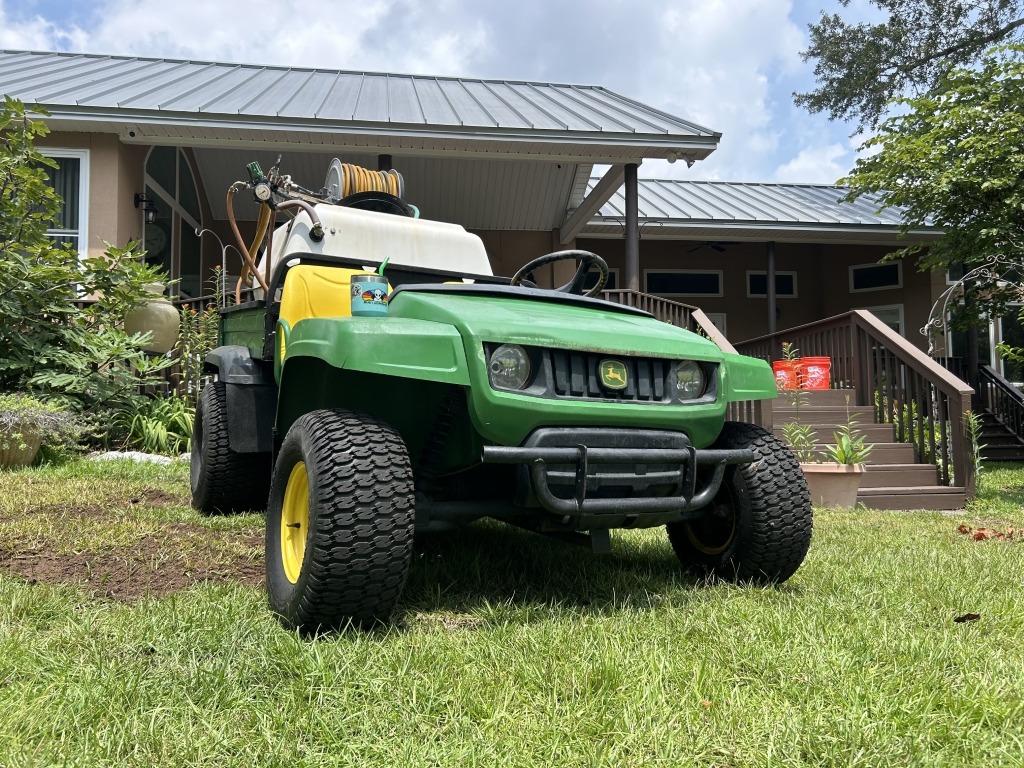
[(770, 285), (632, 230)]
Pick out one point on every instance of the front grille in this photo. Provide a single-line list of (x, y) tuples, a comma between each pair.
[(575, 375)]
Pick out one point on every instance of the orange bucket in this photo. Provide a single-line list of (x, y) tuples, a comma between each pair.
[(815, 372), (787, 374)]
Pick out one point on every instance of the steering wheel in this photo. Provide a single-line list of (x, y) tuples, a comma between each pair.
[(586, 260)]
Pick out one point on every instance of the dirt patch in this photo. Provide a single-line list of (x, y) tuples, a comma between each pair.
[(154, 497), (174, 557)]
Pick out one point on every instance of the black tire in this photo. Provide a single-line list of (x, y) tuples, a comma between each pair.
[(223, 481), (350, 565), (758, 528)]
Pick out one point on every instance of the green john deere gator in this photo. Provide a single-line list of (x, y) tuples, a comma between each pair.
[(379, 381)]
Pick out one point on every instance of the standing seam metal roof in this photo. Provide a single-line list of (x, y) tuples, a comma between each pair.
[(682, 201), (175, 86)]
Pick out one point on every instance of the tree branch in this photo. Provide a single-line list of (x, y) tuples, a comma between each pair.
[(964, 44)]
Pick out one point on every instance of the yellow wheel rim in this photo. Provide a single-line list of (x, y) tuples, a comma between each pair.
[(294, 522), (712, 536)]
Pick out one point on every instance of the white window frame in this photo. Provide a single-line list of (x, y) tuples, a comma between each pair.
[(899, 278), (751, 272), (884, 307), (83, 194), (717, 272), (718, 320)]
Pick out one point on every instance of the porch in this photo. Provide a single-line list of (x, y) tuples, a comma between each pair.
[(910, 407)]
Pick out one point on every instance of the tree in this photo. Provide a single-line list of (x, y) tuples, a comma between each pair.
[(861, 68), (955, 160), (49, 346)]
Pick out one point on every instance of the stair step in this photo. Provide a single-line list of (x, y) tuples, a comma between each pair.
[(873, 433), (1001, 440), (899, 475), (913, 497), (887, 454), (818, 397), (1003, 453), (834, 414)]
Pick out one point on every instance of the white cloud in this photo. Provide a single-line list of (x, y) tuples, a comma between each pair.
[(727, 65), (816, 165), (37, 34)]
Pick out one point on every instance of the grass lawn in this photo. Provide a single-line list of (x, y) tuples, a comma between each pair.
[(134, 633)]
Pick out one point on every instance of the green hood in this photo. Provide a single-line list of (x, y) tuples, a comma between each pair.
[(598, 327)]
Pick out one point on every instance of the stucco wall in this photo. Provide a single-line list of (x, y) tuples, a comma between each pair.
[(115, 175)]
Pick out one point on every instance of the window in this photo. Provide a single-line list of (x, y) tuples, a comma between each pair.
[(757, 284), (890, 314), (718, 320), (70, 180), (683, 282), (876, 277), (170, 240)]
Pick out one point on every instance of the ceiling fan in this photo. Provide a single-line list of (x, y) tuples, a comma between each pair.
[(715, 245)]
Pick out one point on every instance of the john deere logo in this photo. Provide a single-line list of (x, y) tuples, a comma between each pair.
[(613, 374)]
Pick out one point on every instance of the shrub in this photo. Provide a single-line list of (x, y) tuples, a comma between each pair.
[(161, 425), (77, 356), (24, 418)]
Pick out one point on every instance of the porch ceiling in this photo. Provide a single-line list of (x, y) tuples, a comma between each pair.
[(476, 193)]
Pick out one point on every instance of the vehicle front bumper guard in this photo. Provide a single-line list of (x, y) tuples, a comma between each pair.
[(691, 498)]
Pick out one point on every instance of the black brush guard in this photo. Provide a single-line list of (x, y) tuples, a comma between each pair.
[(657, 476)]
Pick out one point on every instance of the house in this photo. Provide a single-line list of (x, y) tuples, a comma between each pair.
[(148, 147)]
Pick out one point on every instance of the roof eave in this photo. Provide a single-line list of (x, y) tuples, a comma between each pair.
[(150, 127), (761, 231)]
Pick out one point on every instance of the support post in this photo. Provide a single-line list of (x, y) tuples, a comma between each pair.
[(384, 163), (632, 229), (773, 305)]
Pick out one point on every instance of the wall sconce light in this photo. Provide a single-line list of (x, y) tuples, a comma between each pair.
[(149, 208)]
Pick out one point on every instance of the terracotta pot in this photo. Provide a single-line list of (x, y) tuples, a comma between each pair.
[(14, 455), (833, 485), (157, 316)]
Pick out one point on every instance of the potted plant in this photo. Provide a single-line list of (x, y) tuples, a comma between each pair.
[(26, 424), (833, 476)]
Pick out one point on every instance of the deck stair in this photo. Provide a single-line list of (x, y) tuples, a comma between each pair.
[(892, 480), (1001, 443)]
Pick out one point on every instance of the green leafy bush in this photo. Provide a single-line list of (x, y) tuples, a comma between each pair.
[(52, 343), (21, 415), (161, 425)]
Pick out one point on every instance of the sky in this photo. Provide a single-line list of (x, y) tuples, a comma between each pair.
[(729, 65)]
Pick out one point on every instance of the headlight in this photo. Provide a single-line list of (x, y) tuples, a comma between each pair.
[(509, 367), (690, 380)]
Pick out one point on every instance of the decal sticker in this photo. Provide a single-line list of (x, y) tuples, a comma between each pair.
[(613, 374)]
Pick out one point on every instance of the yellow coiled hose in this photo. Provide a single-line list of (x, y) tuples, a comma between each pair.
[(355, 178)]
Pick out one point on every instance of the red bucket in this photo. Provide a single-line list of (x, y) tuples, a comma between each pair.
[(787, 374), (815, 372)]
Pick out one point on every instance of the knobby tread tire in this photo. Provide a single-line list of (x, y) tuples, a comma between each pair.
[(772, 509), (361, 518), (223, 481)]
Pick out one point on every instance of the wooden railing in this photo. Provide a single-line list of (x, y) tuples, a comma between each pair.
[(1003, 400), (672, 312), (924, 401), (664, 309)]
